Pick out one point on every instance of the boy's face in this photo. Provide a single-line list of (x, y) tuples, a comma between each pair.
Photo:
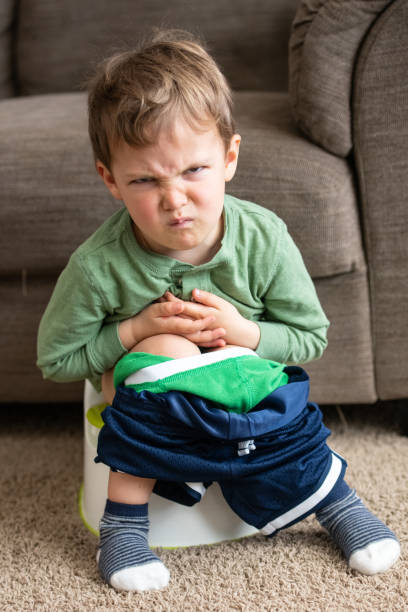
[(174, 190)]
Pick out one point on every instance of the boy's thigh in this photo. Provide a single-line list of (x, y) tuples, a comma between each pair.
[(167, 345)]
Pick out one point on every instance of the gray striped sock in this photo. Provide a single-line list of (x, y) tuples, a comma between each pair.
[(124, 557), (352, 526)]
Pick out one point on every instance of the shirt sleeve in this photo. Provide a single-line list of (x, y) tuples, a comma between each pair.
[(294, 326), (74, 340)]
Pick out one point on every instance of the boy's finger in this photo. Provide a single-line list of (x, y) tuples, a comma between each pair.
[(170, 297), (207, 298), (214, 344), (167, 309), (208, 336), (184, 325), (200, 324), (193, 309)]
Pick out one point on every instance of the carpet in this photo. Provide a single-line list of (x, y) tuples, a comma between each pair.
[(47, 557)]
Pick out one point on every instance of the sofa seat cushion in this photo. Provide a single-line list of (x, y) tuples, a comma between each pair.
[(23, 301), (53, 198)]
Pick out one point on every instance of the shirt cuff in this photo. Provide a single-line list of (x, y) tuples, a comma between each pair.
[(273, 343), (107, 348)]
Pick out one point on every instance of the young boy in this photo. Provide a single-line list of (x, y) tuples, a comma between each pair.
[(199, 299)]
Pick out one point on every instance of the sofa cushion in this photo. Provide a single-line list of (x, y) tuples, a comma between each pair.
[(345, 373), (22, 305), (53, 199), (324, 42), (6, 33), (311, 189), (58, 39)]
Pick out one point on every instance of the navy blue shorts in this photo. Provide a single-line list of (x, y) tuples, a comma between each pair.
[(273, 464)]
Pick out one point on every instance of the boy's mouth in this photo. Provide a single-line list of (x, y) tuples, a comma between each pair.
[(181, 222)]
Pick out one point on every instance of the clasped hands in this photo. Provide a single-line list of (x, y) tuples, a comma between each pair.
[(222, 322), (209, 321)]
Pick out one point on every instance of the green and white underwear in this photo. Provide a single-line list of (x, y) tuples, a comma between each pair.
[(236, 379)]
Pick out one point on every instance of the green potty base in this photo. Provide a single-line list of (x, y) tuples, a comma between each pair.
[(81, 511)]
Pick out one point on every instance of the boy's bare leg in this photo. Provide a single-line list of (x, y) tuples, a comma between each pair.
[(167, 345), (108, 388), (128, 489), (124, 558)]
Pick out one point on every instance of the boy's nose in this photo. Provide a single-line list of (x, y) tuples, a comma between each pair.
[(173, 197)]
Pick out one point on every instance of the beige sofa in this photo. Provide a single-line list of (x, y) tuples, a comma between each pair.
[(325, 149)]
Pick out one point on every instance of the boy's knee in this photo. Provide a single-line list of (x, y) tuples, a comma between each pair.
[(167, 345)]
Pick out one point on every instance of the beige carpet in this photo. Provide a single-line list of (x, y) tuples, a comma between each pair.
[(47, 556)]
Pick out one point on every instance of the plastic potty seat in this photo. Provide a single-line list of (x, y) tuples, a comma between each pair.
[(171, 524)]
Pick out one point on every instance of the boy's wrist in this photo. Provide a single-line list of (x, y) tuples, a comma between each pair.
[(128, 334), (253, 335)]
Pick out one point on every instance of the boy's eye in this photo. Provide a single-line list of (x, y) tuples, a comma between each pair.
[(141, 181), (194, 170)]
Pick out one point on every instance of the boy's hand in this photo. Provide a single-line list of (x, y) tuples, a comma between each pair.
[(239, 331), (168, 317)]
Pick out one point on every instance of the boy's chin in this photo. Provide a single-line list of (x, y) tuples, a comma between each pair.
[(189, 247), (194, 253)]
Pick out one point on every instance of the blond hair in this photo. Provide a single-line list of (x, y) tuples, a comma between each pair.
[(134, 93)]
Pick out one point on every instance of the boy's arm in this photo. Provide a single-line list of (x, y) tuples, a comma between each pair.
[(295, 333), (294, 325), (293, 328), (75, 343)]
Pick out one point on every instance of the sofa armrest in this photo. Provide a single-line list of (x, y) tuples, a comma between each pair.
[(380, 135)]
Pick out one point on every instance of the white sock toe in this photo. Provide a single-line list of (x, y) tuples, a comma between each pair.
[(146, 577), (376, 557)]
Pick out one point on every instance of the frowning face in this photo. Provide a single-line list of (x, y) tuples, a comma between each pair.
[(174, 189)]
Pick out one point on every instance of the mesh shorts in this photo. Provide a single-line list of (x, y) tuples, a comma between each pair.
[(273, 464)]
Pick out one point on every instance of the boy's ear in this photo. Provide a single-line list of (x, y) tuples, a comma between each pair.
[(231, 158), (108, 179)]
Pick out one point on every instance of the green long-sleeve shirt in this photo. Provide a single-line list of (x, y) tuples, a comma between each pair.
[(110, 278)]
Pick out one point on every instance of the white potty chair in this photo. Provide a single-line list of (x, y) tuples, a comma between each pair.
[(171, 524)]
